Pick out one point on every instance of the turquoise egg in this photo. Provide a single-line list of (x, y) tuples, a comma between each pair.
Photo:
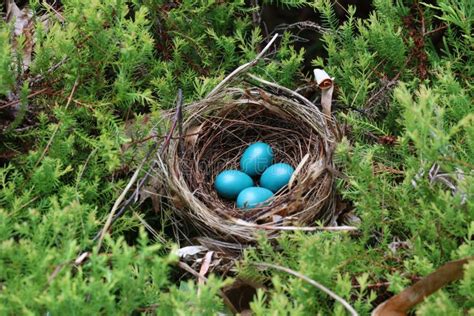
[(229, 183), (256, 158), (276, 176), (251, 197)]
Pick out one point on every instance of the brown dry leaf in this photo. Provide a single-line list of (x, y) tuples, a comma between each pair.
[(401, 303), (381, 168), (192, 135), (206, 263)]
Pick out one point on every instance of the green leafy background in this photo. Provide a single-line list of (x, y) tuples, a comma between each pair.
[(123, 64)]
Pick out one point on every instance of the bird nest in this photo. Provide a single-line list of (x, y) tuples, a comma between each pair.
[(216, 131)]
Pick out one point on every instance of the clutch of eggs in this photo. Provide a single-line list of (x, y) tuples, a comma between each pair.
[(256, 160)]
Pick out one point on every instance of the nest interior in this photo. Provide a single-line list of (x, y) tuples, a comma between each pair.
[(216, 132)]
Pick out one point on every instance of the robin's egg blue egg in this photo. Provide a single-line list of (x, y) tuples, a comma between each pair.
[(256, 158), (276, 176), (229, 183), (252, 197)]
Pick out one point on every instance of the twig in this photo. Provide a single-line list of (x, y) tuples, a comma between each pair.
[(6, 105), (442, 27), (422, 16), (40, 77), (243, 67), (294, 228), (56, 13), (187, 268), (301, 26), (284, 89), (149, 308), (387, 86), (147, 138), (303, 277), (150, 229), (108, 223), (362, 85), (256, 18), (79, 260), (175, 122), (114, 214), (179, 119), (55, 273), (372, 286)]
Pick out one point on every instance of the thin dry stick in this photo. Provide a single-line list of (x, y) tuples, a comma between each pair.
[(302, 26), (111, 218), (442, 27), (362, 84), (12, 103), (243, 67), (187, 268), (150, 229), (303, 277), (292, 228), (40, 77), (56, 13), (131, 198), (117, 203)]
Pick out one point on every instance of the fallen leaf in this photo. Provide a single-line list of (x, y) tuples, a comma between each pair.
[(190, 251), (205, 265), (397, 244), (401, 303)]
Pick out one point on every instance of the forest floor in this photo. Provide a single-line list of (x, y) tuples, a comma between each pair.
[(86, 88)]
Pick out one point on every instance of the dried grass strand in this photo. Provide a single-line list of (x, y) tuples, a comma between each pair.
[(318, 285)]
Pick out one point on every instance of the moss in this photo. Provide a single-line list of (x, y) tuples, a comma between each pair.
[(101, 64)]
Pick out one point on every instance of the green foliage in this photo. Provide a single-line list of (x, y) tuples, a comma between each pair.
[(131, 277), (396, 191), (105, 64), (325, 257), (6, 75)]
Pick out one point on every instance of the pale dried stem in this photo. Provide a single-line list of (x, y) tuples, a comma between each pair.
[(243, 67), (303, 277)]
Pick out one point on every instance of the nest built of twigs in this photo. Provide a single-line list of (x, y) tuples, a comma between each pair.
[(217, 130)]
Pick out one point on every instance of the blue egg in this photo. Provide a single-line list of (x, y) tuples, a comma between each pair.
[(256, 158), (276, 176), (229, 183), (253, 196)]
